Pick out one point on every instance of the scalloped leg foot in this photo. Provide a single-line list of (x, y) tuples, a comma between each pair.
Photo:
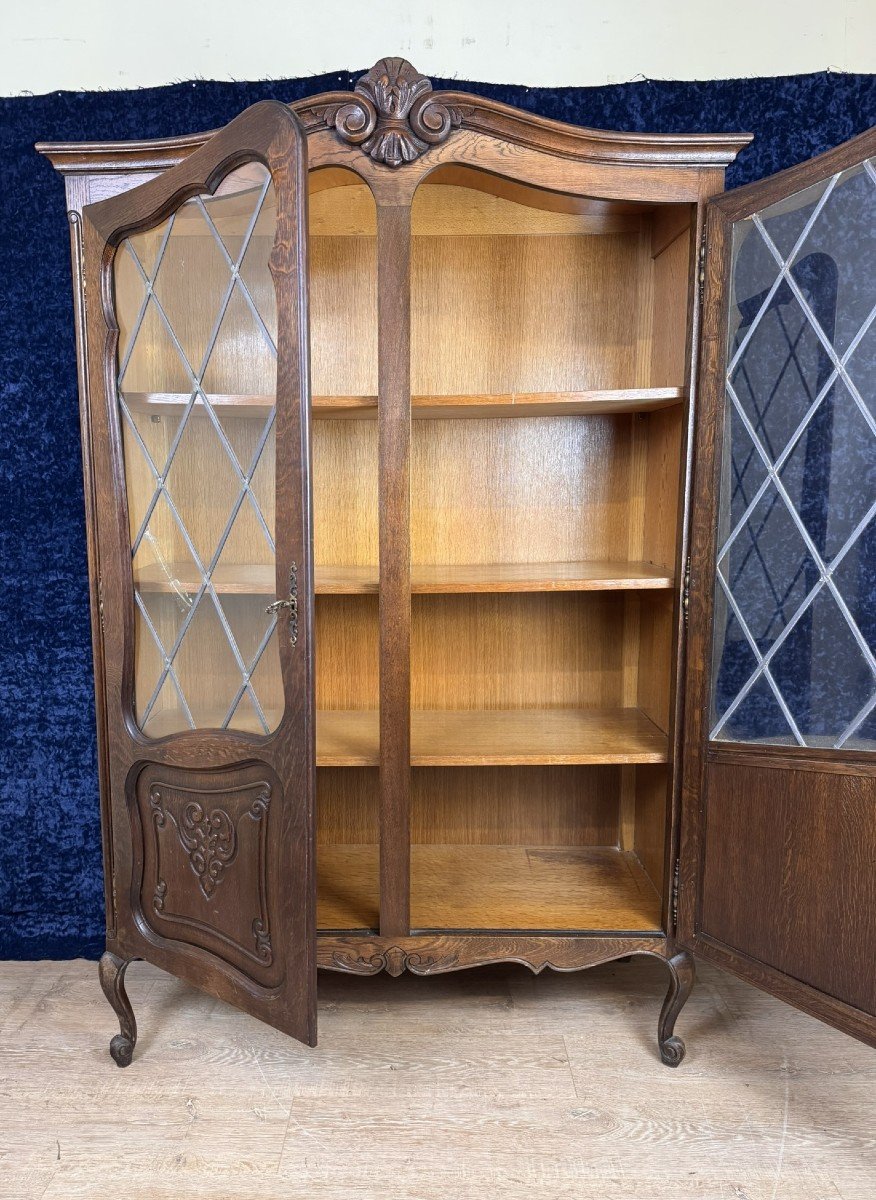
[(112, 980), (681, 980)]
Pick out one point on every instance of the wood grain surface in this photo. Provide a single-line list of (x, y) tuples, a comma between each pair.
[(532, 1088), (805, 903)]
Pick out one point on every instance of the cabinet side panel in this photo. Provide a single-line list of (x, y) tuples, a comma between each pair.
[(651, 796), (75, 199), (670, 287)]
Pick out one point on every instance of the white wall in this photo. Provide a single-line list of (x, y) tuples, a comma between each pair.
[(84, 44)]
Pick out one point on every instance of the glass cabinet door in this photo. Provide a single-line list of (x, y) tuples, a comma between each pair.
[(795, 600), (198, 425), (778, 833), (197, 370)]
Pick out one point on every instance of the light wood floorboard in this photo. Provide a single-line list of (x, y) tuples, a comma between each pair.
[(482, 1084)]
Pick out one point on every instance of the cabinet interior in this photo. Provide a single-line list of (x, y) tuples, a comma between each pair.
[(548, 347), (548, 342)]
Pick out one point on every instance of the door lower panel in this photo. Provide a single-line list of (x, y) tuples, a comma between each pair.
[(806, 901), (206, 873)]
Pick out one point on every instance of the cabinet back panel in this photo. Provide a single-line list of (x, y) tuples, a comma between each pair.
[(342, 222), (460, 201), (343, 315), (523, 313), (347, 806), (515, 806), (345, 492), (491, 806), (347, 660), (540, 489), (663, 437), (541, 650)]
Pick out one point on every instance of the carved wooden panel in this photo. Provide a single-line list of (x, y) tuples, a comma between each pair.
[(203, 839)]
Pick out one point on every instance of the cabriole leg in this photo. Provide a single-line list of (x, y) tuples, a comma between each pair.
[(682, 975), (112, 980)]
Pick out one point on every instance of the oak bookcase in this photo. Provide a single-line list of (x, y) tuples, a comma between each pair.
[(390, 412)]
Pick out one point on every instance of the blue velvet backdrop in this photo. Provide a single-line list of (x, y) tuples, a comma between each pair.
[(51, 895)]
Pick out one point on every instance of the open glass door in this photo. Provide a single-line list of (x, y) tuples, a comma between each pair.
[(198, 404), (778, 850)]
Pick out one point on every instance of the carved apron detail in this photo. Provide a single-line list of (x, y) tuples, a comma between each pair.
[(394, 960)]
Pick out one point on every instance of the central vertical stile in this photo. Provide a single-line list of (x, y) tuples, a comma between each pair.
[(394, 452)]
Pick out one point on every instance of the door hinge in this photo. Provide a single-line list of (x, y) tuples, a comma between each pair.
[(673, 904), (685, 591), (701, 266), (100, 603)]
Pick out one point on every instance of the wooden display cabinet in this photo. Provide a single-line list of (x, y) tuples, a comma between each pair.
[(390, 415)]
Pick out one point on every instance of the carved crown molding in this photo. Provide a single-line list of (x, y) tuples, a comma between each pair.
[(393, 114)]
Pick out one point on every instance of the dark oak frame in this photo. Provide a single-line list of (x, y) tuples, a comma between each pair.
[(393, 147)]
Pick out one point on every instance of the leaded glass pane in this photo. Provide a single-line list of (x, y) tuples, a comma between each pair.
[(795, 599), (196, 380)]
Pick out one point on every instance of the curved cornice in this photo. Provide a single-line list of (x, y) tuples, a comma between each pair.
[(394, 115)]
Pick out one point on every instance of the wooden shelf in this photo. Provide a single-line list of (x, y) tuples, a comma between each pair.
[(500, 737), (251, 579), (171, 404), (520, 737), (523, 404), (496, 737), (260, 579), (480, 887), (538, 577), (245, 579), (546, 404)]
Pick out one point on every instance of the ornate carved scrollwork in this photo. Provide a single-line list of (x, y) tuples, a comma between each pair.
[(209, 839), (213, 826), (393, 114), (262, 940), (394, 960)]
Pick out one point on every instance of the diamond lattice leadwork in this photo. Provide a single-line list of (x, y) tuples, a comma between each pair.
[(198, 324), (795, 602)]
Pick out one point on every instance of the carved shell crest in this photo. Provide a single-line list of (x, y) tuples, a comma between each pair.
[(393, 114)]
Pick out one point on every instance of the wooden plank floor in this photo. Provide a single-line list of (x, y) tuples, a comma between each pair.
[(482, 1084)]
